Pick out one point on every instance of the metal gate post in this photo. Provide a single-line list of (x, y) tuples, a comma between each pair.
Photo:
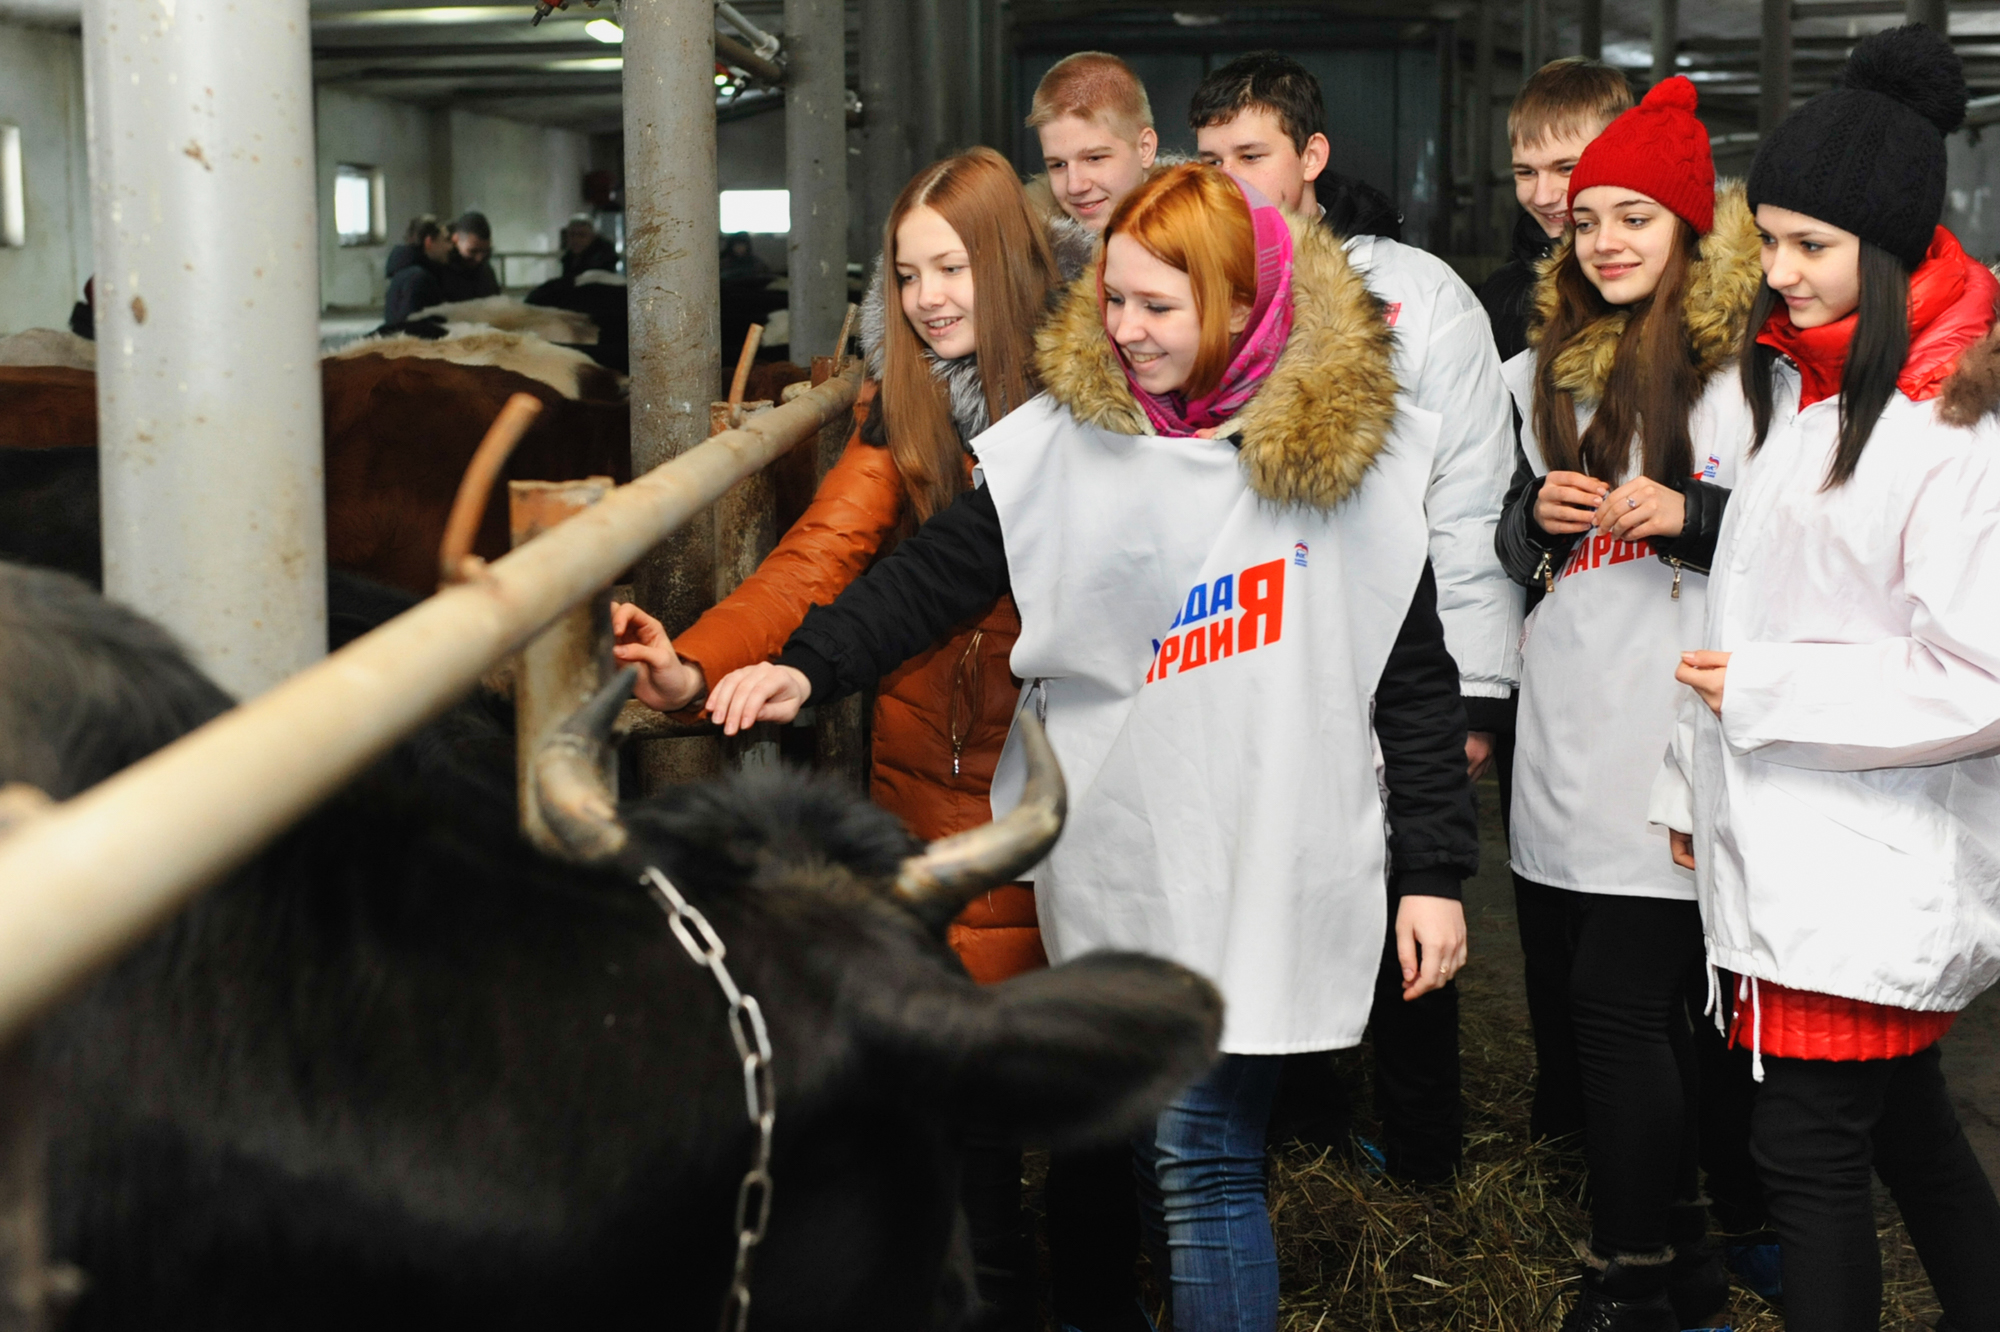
[(202, 174), (672, 259), (565, 664), (816, 171)]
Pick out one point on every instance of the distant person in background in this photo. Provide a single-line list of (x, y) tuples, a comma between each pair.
[(469, 274), (83, 315), (417, 270), (1559, 110), (584, 249), (740, 262), (1095, 123), (423, 227)]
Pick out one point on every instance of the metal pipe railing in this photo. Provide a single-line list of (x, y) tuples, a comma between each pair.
[(85, 880)]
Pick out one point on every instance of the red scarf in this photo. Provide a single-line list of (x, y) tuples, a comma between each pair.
[(1951, 306)]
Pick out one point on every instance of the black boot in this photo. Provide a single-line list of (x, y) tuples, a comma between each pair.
[(1697, 1283), (1624, 1293)]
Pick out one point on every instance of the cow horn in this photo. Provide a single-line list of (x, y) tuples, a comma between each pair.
[(569, 790), (953, 870)]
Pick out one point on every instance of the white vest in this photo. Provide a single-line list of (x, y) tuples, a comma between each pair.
[(1598, 693), (1209, 661)]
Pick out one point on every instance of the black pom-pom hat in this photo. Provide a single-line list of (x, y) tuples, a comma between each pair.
[(1868, 156)]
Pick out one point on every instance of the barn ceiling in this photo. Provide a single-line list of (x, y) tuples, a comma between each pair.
[(485, 55)]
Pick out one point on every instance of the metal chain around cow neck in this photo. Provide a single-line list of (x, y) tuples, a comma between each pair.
[(753, 1046)]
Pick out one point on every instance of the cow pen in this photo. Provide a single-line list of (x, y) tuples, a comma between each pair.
[(89, 877)]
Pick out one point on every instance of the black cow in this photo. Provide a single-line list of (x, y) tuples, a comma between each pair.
[(402, 1071)]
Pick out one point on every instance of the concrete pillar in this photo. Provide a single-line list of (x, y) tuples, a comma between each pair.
[(816, 172), (996, 50), (1534, 35), (1666, 37), (934, 135), (672, 240), (887, 159), (202, 179), (1774, 66), (1590, 28), (1935, 14), (1479, 129), (444, 198)]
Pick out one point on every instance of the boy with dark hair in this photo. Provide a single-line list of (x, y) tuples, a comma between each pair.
[(469, 275), (1261, 118), (1559, 110)]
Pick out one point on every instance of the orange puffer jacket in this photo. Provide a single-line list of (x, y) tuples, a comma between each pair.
[(939, 720)]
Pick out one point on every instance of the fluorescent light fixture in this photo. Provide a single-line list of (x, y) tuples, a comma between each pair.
[(13, 190), (586, 63), (766, 211), (604, 30)]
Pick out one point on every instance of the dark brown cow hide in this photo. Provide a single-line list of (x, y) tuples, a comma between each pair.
[(399, 433)]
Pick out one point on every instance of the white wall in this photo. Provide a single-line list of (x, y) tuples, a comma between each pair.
[(41, 90), (367, 131), (527, 179)]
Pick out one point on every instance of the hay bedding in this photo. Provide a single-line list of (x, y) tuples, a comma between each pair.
[(1493, 1251)]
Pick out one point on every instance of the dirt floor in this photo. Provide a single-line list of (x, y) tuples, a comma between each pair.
[(1494, 1250)]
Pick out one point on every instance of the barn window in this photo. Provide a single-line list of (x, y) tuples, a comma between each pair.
[(765, 211), (360, 205), (13, 192)]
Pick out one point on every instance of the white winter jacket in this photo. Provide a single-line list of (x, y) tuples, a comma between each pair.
[(1446, 363), (1846, 805)]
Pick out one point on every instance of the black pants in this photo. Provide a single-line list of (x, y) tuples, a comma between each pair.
[(1093, 1228), (1003, 1261), (1417, 1090), (1632, 961), (1542, 916), (1817, 1129)]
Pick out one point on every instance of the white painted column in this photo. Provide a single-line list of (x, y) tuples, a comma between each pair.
[(208, 391)]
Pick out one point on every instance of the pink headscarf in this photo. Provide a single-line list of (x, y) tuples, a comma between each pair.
[(1257, 347)]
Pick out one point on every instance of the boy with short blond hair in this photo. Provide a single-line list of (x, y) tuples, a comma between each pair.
[(1095, 124), (1559, 110)]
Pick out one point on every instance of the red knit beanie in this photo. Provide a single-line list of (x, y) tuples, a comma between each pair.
[(1660, 149)]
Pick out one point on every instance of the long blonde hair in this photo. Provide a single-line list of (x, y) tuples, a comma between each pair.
[(1013, 270)]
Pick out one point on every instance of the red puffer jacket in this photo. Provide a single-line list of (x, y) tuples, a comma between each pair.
[(939, 721)]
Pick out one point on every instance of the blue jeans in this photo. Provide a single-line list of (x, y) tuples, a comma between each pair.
[(1201, 1196)]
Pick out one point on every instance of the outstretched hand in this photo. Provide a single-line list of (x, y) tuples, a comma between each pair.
[(666, 683), (766, 692), (1430, 943)]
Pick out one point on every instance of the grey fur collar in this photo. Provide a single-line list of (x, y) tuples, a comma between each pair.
[(1074, 248)]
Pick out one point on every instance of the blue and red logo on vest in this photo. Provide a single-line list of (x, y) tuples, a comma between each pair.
[(1236, 613)]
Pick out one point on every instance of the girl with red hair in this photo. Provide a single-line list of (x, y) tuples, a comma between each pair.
[(1212, 522)]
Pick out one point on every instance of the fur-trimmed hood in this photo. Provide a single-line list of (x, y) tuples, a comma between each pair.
[(1073, 245), (1316, 424), (1722, 285)]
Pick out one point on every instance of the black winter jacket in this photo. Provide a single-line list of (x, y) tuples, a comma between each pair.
[(1523, 546), (955, 566), (1510, 288)]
